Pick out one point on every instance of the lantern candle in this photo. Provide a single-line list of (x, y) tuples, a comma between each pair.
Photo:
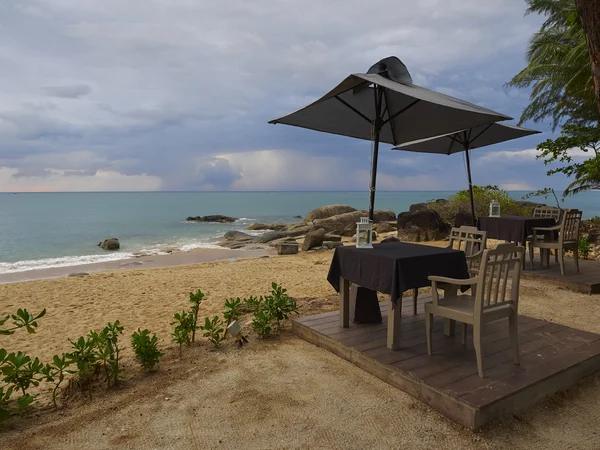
[(364, 233), (494, 208)]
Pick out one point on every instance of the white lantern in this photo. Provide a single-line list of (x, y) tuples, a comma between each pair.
[(494, 208), (364, 233)]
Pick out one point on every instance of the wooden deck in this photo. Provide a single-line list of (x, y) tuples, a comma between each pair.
[(553, 357), (587, 281)]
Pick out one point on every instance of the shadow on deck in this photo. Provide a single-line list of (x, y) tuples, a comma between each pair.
[(587, 281)]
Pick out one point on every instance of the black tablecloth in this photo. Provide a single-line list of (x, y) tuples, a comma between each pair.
[(393, 268), (512, 228)]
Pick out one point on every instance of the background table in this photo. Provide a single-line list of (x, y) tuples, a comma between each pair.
[(391, 268), (512, 228)]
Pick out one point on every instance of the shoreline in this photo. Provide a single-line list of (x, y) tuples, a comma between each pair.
[(198, 255)]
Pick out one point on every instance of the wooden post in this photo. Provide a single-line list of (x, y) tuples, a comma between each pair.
[(344, 303), (393, 331)]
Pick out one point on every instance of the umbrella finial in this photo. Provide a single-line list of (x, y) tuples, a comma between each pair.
[(392, 68)]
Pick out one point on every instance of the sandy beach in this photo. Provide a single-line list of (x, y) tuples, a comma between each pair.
[(276, 393)]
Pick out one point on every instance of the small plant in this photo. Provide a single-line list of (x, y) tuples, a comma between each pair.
[(23, 319), (213, 330), (261, 323), (252, 303), (145, 349), (233, 310), (55, 373), (85, 358), (184, 326), (107, 348), (195, 299), (584, 247), (280, 305), (595, 219)]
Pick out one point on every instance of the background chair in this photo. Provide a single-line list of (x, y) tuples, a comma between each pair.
[(546, 212), (468, 239), (568, 239), (496, 296)]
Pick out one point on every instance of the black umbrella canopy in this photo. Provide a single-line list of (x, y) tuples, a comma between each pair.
[(383, 105), (465, 140)]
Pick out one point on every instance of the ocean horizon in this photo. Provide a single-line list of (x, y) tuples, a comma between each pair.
[(41, 230)]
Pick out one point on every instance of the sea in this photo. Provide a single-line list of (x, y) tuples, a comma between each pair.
[(46, 230)]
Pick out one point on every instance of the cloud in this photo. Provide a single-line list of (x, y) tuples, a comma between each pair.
[(75, 91), (179, 92)]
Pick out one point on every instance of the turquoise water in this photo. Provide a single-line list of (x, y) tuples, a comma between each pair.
[(41, 230)]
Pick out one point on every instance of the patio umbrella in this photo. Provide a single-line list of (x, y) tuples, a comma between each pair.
[(383, 105), (465, 140)]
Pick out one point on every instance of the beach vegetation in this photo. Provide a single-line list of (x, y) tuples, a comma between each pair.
[(183, 327), (262, 323), (22, 319), (232, 310), (145, 349), (107, 350), (272, 310), (195, 299), (55, 373), (482, 196), (584, 247), (85, 358), (213, 330)]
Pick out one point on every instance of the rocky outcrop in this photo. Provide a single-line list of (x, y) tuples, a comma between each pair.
[(313, 239), (340, 222), (235, 235), (287, 248), (332, 244), (333, 237), (214, 218), (327, 211), (422, 225), (384, 227), (110, 244), (463, 218), (390, 239), (267, 226)]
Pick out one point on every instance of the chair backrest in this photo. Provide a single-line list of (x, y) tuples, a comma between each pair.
[(468, 239), (569, 227), (499, 277), (547, 212)]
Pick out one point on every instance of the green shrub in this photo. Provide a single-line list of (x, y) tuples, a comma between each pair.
[(233, 310), (213, 330), (145, 349), (252, 303), (584, 247), (184, 326), (107, 349), (276, 307), (482, 196), (195, 299), (85, 358), (55, 373)]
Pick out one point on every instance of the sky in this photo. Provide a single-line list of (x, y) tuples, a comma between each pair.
[(176, 94)]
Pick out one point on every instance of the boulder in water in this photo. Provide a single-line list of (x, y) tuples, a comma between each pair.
[(110, 244), (214, 218)]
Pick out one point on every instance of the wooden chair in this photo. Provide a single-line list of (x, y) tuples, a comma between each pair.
[(546, 212), (496, 297), (468, 239), (568, 239)]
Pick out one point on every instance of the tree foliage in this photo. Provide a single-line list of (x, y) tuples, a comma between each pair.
[(560, 150), (558, 67)]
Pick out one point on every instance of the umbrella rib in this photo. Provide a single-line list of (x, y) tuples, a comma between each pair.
[(352, 108), (401, 111), (482, 131), (387, 108)]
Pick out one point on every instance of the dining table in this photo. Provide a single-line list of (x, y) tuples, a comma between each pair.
[(512, 228), (392, 268)]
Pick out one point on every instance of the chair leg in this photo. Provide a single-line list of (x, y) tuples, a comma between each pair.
[(415, 296), (428, 323), (576, 257), (547, 257), (464, 335), (478, 350), (514, 336), (561, 260), (555, 256), (531, 255)]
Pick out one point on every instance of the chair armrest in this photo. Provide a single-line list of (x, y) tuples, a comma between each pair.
[(556, 228), (455, 281), (474, 255)]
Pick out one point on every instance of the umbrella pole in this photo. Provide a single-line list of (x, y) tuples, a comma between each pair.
[(377, 129), (470, 187)]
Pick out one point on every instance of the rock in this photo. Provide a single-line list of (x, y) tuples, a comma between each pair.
[(284, 240), (234, 235), (296, 225), (299, 231), (328, 211), (313, 239), (213, 218), (297, 217), (287, 248), (373, 237), (429, 226), (235, 245), (417, 207), (384, 227), (384, 215), (267, 226), (463, 218), (78, 274), (349, 231), (110, 244), (270, 236), (332, 244), (339, 222), (390, 239), (333, 237)]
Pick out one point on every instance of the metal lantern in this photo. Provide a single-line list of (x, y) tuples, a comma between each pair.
[(235, 330), (494, 208), (364, 233)]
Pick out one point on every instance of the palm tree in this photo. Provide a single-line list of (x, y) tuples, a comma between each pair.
[(558, 67), (587, 177)]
